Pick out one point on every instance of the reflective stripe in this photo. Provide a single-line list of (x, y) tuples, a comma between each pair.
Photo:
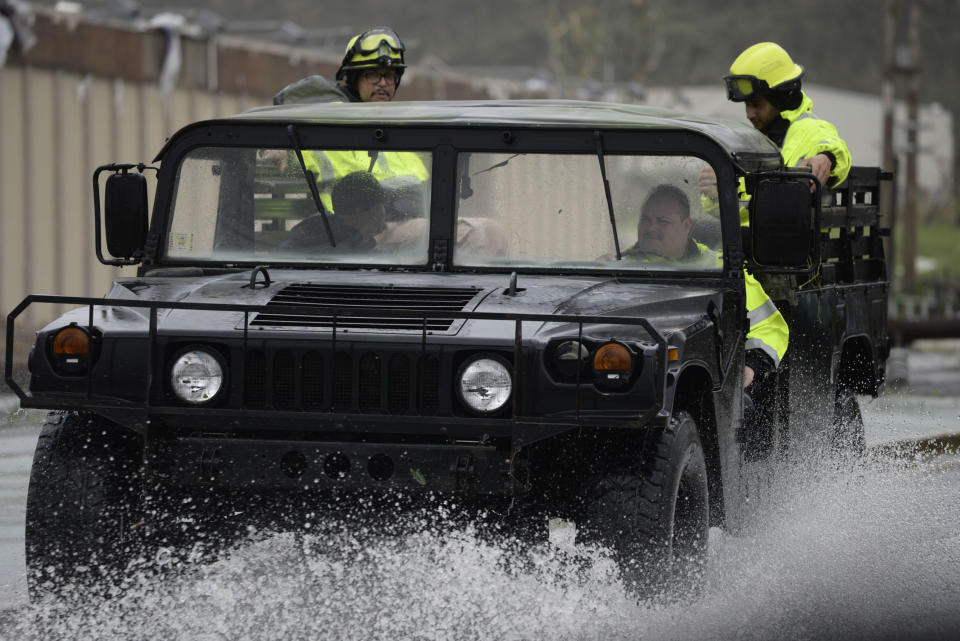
[(756, 343), (770, 333), (761, 313)]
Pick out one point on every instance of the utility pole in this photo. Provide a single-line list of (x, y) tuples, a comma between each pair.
[(913, 92), (889, 94)]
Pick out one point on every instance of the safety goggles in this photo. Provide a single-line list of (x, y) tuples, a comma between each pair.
[(379, 40), (742, 88)]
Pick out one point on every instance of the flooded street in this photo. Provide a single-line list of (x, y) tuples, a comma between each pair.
[(869, 555), (865, 552)]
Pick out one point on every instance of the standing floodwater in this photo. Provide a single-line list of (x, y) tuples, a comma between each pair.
[(872, 553)]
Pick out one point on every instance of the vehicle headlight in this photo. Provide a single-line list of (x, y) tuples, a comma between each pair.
[(570, 358), (485, 384), (196, 376)]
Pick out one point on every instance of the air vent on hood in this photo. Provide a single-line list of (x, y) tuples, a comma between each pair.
[(351, 301)]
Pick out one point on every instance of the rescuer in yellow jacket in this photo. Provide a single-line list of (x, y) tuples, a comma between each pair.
[(372, 66), (663, 234), (768, 82)]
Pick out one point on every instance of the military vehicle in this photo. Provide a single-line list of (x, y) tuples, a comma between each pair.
[(449, 298)]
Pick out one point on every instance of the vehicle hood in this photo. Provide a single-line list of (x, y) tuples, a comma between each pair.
[(668, 305)]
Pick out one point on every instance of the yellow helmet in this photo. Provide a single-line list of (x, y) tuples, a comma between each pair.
[(376, 47), (762, 71)]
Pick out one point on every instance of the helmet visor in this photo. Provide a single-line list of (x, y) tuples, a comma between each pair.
[(741, 88), (379, 40)]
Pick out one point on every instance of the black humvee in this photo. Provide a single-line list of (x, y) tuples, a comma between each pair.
[(485, 321)]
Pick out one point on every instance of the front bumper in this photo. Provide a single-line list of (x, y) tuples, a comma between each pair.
[(261, 465)]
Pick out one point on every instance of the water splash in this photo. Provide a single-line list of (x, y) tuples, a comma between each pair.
[(829, 553)]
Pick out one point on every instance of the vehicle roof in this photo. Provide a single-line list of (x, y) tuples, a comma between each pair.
[(736, 138)]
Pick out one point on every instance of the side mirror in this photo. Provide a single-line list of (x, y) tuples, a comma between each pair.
[(125, 213), (783, 224)]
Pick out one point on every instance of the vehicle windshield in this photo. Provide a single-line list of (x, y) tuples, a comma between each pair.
[(242, 205), (551, 210)]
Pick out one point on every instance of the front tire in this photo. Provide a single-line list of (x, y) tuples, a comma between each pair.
[(83, 503), (654, 514)]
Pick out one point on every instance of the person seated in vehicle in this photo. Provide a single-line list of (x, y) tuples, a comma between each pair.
[(663, 231), (359, 201)]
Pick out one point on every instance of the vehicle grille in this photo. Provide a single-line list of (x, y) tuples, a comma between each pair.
[(361, 382), (352, 301)]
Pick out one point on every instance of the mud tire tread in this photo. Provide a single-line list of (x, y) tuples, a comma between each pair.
[(629, 508), (83, 499)]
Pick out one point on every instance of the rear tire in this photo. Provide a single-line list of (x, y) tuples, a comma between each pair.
[(848, 433), (654, 516), (83, 503)]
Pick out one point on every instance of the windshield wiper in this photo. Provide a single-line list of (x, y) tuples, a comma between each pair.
[(606, 191), (311, 182)]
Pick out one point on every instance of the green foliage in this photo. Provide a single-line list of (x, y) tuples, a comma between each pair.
[(939, 241)]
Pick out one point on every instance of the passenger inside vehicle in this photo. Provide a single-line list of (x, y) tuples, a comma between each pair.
[(359, 202), (663, 231)]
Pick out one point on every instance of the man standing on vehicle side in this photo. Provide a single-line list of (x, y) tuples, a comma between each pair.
[(767, 80)]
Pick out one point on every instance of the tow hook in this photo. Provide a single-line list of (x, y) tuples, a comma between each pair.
[(463, 470)]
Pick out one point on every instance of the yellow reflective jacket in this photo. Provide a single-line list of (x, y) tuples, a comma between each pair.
[(808, 136), (393, 169)]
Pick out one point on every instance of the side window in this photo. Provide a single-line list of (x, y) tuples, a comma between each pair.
[(195, 208)]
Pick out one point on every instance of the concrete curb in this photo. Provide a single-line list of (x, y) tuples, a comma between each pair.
[(942, 443)]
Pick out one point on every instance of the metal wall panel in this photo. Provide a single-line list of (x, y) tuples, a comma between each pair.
[(12, 192), (75, 234), (56, 128)]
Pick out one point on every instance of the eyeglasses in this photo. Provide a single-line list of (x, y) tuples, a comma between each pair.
[(374, 76)]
